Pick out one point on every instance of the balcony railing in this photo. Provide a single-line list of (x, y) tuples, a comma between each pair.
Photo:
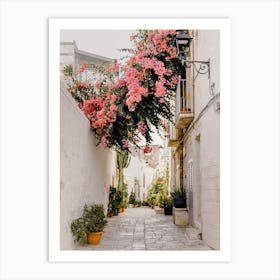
[(184, 105)]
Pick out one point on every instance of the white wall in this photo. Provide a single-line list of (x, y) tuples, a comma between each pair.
[(206, 46), (202, 142), (210, 178), (137, 169), (86, 170)]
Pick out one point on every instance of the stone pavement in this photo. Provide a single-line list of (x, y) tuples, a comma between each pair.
[(142, 229)]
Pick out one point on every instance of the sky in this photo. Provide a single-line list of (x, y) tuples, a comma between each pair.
[(105, 43), (100, 42)]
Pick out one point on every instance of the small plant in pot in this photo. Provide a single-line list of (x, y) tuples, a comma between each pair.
[(138, 203), (118, 200), (179, 198), (112, 204), (122, 206), (168, 205), (132, 199), (88, 228)]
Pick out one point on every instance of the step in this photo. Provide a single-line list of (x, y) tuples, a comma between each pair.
[(193, 233)]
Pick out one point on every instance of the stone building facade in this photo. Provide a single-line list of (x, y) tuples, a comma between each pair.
[(195, 138)]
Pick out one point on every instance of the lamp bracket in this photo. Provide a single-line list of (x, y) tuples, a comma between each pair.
[(200, 67)]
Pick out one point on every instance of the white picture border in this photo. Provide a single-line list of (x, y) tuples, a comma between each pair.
[(58, 24)]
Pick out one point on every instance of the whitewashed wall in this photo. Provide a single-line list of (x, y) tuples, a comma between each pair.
[(138, 169), (86, 170), (210, 178), (202, 142)]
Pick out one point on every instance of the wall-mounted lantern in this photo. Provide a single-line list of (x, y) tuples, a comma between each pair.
[(182, 43)]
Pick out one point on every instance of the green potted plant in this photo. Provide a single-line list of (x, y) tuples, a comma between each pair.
[(138, 203), (88, 228), (132, 199), (114, 200), (168, 205), (122, 206), (179, 198), (79, 232), (118, 199), (160, 199)]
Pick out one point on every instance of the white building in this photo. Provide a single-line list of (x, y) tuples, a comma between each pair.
[(195, 138), (86, 171), (144, 169)]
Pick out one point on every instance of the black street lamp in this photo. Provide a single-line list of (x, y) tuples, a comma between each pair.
[(182, 43)]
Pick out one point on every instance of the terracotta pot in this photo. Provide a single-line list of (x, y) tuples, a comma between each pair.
[(94, 238)]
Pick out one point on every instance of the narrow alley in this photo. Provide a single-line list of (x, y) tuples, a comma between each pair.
[(143, 229)]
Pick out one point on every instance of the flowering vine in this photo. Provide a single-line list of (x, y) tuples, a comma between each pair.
[(128, 99)]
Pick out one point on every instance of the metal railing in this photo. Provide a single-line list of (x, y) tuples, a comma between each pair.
[(184, 98)]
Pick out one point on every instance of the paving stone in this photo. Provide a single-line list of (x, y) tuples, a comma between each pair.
[(142, 229)]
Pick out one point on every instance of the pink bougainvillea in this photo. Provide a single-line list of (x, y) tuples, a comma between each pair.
[(147, 150), (123, 107), (82, 67)]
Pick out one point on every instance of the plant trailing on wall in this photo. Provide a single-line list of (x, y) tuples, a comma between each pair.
[(128, 99)]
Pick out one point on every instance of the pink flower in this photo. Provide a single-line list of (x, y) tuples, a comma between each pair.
[(125, 143), (82, 67), (84, 84), (104, 142), (160, 89), (132, 37), (114, 67), (142, 127), (111, 86), (120, 83), (111, 117), (81, 84), (98, 85), (113, 107), (113, 98), (98, 123), (88, 107), (147, 150), (161, 100), (136, 140)]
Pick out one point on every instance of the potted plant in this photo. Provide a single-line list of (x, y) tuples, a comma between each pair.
[(132, 199), (118, 200), (138, 203), (179, 198), (167, 205), (122, 206), (88, 228), (113, 202)]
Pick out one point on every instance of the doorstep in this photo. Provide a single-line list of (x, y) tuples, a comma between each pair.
[(180, 216)]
